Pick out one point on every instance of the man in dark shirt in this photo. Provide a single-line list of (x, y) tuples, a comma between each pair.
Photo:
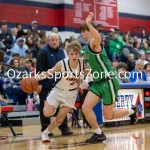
[(6, 37), (131, 62), (46, 59)]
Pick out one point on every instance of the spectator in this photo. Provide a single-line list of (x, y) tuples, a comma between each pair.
[(21, 61), (65, 44), (147, 55), (148, 41), (32, 46), (11, 86), (34, 26), (6, 37), (146, 48), (114, 65), (19, 47), (27, 67), (55, 30), (42, 35), (126, 39), (81, 41), (136, 50), (122, 73), (32, 34), (40, 44), (107, 39), (147, 71), (14, 34), (131, 62), (117, 31), (28, 54), (138, 75), (15, 55), (135, 39), (19, 27), (115, 48), (46, 59), (73, 38), (143, 59), (3, 102)]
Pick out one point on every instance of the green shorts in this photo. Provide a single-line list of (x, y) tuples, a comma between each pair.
[(107, 90)]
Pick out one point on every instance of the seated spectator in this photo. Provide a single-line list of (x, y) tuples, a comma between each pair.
[(115, 48), (126, 39), (127, 50), (147, 55), (135, 39), (3, 102), (15, 55), (27, 67), (131, 62), (148, 41), (19, 27), (136, 50), (146, 48), (138, 74), (19, 47), (65, 44), (11, 85), (5, 36), (122, 73), (21, 61), (143, 59), (29, 54), (147, 71), (32, 34), (40, 45), (114, 65), (107, 39)]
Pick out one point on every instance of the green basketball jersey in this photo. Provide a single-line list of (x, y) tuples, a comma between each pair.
[(98, 64)]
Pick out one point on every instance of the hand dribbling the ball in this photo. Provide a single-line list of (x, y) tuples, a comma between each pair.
[(89, 18)]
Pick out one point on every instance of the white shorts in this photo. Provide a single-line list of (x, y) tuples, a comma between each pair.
[(58, 97)]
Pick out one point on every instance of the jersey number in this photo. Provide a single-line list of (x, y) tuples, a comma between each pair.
[(72, 83)]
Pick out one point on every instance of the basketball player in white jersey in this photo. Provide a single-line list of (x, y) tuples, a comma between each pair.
[(64, 93)]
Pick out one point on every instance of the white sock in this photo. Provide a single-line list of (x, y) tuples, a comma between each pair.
[(131, 111), (46, 131), (98, 131)]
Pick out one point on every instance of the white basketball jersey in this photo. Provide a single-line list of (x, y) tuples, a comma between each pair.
[(69, 75)]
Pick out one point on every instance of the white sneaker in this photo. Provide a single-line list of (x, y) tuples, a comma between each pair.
[(45, 138)]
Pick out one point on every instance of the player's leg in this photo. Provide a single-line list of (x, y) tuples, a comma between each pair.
[(48, 110), (59, 118), (90, 101), (110, 96)]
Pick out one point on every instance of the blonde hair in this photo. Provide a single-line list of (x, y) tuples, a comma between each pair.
[(74, 46)]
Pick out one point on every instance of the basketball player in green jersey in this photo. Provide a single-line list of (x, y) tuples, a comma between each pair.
[(105, 84)]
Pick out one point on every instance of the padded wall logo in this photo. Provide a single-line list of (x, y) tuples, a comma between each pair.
[(139, 106)]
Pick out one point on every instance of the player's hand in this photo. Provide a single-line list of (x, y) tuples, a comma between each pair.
[(39, 88), (89, 18), (80, 90)]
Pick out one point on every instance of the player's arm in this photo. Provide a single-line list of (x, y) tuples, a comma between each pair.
[(50, 72), (96, 40)]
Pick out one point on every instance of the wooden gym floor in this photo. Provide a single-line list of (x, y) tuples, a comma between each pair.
[(136, 137)]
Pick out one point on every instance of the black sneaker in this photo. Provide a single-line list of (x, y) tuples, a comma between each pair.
[(50, 134), (96, 138), (66, 131), (134, 116)]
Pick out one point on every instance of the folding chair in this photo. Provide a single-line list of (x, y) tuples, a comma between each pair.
[(4, 111)]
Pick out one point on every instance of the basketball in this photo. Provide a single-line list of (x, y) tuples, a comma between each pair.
[(29, 85)]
